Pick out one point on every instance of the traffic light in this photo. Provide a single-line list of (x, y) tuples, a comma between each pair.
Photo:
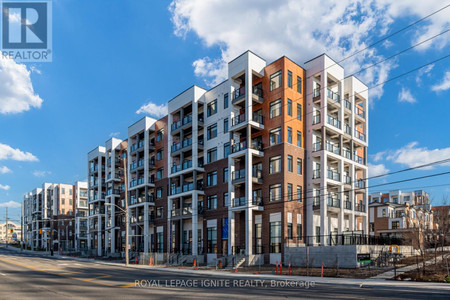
[(12, 231), (40, 231), (48, 233)]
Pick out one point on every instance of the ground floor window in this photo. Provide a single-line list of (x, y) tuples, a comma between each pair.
[(159, 242), (317, 234), (275, 237), (258, 239), (212, 239), (299, 231)]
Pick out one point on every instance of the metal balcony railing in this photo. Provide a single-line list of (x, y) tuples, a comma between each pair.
[(360, 111), (360, 135), (333, 96), (316, 174), (334, 202), (334, 122), (334, 175), (238, 120), (316, 119), (333, 148)]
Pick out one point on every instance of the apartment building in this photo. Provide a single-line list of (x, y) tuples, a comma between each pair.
[(49, 216), (245, 168), (397, 213), (81, 214), (337, 141)]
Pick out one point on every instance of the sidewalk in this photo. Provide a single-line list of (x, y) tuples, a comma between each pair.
[(374, 282), (390, 274)]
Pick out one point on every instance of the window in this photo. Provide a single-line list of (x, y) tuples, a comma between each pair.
[(159, 173), (384, 212), (160, 135), (63, 211), (299, 138), (317, 234), (290, 163), (212, 202), (63, 201), (289, 231), (225, 125), (159, 193), (160, 212), (275, 136), (212, 239), (299, 112), (63, 191), (212, 178), (70, 192), (289, 193), (70, 202), (275, 237), (159, 242), (275, 80), (225, 101), (160, 154), (299, 84), (371, 227), (299, 166), (275, 164), (212, 108), (225, 175), (212, 155), (275, 108), (258, 239), (289, 107), (299, 231), (212, 131), (395, 225), (289, 79), (275, 192), (226, 150), (289, 131), (299, 193), (225, 200)]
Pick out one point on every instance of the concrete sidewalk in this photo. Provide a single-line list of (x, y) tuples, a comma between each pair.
[(390, 274)]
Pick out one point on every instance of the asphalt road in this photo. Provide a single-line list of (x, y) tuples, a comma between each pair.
[(31, 276)]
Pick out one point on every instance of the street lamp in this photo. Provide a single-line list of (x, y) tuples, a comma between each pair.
[(126, 229)]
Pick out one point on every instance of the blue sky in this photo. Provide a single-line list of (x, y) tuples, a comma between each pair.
[(108, 61)]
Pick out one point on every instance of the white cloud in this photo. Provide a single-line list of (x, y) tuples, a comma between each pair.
[(38, 173), (153, 110), (423, 72), (7, 152), (10, 204), (16, 89), (114, 134), (444, 85), (379, 156), (4, 187), (413, 156), (5, 170), (376, 170), (296, 29), (406, 96)]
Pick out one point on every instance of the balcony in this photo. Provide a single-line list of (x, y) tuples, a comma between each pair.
[(238, 120), (187, 187), (317, 146), (359, 159), (176, 125), (93, 169), (140, 163), (347, 129), (151, 146), (316, 119), (333, 96), (176, 168), (151, 164), (360, 207), (334, 122), (360, 184), (176, 147), (186, 164), (333, 175), (347, 205), (346, 153), (240, 201), (113, 192), (333, 148), (347, 104), (187, 120), (238, 147), (133, 166), (316, 174), (316, 94), (347, 180), (141, 199), (141, 181), (258, 119), (257, 94), (238, 95), (360, 112), (316, 202), (238, 177), (360, 136), (334, 202)]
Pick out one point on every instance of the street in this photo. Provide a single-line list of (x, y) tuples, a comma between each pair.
[(27, 275)]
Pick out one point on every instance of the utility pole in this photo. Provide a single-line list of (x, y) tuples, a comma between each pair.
[(21, 226), (6, 227), (127, 246)]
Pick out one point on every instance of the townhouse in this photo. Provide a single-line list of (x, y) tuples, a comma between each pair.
[(398, 214), (274, 156)]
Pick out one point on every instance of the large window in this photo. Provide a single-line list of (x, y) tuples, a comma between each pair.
[(289, 193), (299, 193), (290, 163), (275, 136), (289, 79), (275, 164), (159, 193), (275, 237), (160, 135), (299, 112), (225, 125), (275, 80), (212, 239), (289, 107), (225, 200), (212, 202), (299, 138), (289, 133), (212, 178), (212, 155), (159, 242), (159, 173), (275, 192), (226, 150), (275, 108), (225, 175), (211, 108), (299, 84), (258, 239), (225, 101), (212, 131), (299, 166), (395, 225), (299, 231), (160, 154), (289, 231)]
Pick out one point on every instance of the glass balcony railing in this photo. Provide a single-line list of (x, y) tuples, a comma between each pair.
[(239, 201), (346, 153), (333, 148), (176, 125), (317, 146), (186, 143), (347, 129), (141, 144), (359, 183), (257, 91), (360, 207), (141, 181), (187, 120), (347, 205), (258, 119), (347, 104), (316, 174), (316, 119), (333, 175), (347, 179), (334, 122), (360, 111), (238, 120), (133, 166), (316, 202), (133, 147), (333, 96), (316, 92), (360, 136), (239, 174), (358, 159), (176, 147), (176, 168), (239, 93), (187, 164), (334, 202), (238, 147)]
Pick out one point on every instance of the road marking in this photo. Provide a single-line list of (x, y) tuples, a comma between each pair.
[(2, 274), (68, 273), (51, 269), (128, 285), (99, 277)]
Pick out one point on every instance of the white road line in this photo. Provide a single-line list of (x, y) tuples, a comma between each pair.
[(2, 274)]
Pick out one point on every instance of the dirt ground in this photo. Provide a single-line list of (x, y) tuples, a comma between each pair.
[(435, 273)]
